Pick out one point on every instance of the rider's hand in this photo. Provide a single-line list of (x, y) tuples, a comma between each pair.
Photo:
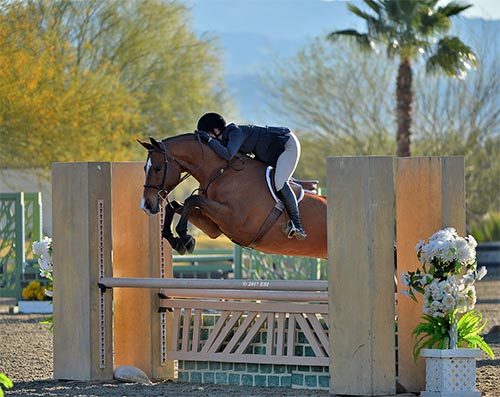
[(204, 136)]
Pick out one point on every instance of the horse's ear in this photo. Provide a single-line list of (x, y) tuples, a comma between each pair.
[(148, 146), (155, 143)]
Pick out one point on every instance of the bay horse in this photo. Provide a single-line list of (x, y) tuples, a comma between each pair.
[(233, 199)]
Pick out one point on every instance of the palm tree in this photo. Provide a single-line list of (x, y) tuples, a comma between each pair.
[(408, 29)]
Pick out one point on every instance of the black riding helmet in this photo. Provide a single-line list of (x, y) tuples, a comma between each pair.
[(209, 121)]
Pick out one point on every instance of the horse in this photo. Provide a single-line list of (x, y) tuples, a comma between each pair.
[(233, 199)]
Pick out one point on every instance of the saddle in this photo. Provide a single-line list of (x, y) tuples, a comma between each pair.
[(298, 187)]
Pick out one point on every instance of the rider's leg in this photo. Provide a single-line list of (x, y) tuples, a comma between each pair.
[(285, 166), (289, 200)]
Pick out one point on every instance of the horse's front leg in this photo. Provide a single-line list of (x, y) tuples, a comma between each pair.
[(186, 239), (170, 210), (195, 208)]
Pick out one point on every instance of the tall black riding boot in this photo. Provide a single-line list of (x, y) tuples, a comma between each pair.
[(289, 200)]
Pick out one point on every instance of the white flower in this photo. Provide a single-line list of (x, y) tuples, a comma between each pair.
[(405, 279), (436, 304), (448, 302), (468, 278), (462, 303), (427, 311), (481, 272), (472, 241), (438, 314), (419, 245), (39, 247), (446, 287), (45, 264)]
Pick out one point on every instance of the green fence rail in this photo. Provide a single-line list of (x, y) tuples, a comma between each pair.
[(242, 263), (20, 226)]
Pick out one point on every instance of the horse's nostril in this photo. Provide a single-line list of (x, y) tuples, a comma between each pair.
[(145, 205)]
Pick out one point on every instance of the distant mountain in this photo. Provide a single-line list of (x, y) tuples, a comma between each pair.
[(252, 34)]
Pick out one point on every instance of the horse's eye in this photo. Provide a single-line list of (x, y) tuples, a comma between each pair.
[(158, 168)]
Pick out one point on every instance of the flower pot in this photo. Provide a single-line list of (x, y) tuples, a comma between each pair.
[(35, 306), (450, 372)]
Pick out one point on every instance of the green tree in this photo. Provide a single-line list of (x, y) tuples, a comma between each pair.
[(81, 81), (336, 98), (408, 29)]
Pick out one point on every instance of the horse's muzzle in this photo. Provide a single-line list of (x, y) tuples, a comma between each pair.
[(148, 208)]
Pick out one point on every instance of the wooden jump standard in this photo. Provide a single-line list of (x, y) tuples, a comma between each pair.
[(97, 223)]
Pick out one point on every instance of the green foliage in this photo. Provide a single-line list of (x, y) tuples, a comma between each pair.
[(260, 266), (488, 228), (469, 327), (336, 114), (5, 382), (81, 81), (433, 333), (409, 30)]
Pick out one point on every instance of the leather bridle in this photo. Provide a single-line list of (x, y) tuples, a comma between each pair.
[(162, 193)]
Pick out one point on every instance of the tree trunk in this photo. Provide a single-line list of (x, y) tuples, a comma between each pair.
[(404, 96)]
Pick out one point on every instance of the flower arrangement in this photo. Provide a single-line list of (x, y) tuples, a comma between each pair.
[(35, 291), (446, 281)]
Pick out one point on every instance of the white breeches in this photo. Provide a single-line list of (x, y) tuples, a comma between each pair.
[(287, 162)]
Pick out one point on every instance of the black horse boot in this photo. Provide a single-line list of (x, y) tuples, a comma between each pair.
[(289, 200)]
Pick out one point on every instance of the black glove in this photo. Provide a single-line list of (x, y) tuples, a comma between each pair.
[(204, 136)]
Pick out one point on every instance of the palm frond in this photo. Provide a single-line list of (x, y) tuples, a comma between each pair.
[(356, 11), (432, 23), (453, 8), (362, 39), (453, 57), (373, 5)]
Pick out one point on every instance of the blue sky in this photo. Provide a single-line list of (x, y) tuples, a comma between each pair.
[(252, 33)]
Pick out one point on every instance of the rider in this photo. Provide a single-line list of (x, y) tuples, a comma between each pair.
[(274, 146)]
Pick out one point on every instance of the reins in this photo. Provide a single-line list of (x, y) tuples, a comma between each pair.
[(163, 194), (221, 171)]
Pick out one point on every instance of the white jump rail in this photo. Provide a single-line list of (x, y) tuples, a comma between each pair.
[(274, 290), (278, 285)]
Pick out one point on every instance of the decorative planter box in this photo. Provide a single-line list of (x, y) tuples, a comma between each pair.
[(35, 306), (450, 372)]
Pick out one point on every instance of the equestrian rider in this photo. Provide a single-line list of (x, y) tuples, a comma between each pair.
[(274, 146)]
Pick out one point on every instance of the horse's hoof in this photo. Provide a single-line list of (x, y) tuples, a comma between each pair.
[(181, 250), (189, 243), (178, 246)]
